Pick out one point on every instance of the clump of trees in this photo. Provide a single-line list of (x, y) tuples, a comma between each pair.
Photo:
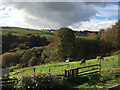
[(30, 57), (22, 41), (111, 36), (32, 54), (86, 48), (12, 58)]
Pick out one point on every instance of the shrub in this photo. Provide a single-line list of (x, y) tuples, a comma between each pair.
[(50, 53), (33, 61), (38, 81), (6, 59), (33, 52), (17, 56), (12, 58)]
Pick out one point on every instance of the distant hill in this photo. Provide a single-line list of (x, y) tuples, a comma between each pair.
[(27, 31), (84, 33), (46, 33)]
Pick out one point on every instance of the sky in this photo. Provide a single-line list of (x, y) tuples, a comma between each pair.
[(78, 16)]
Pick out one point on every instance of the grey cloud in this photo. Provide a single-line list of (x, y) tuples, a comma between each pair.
[(98, 4), (57, 14)]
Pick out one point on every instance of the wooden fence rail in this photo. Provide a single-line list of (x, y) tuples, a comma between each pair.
[(75, 72), (24, 71), (5, 82)]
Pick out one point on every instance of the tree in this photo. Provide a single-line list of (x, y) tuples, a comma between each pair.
[(86, 48), (111, 36), (65, 40), (101, 31)]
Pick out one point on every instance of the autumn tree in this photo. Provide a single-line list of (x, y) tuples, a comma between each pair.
[(65, 40), (111, 36)]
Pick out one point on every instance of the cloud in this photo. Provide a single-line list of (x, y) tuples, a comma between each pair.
[(11, 17), (60, 0), (95, 25), (55, 14)]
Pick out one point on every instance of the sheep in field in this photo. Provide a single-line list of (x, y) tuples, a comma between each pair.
[(82, 61), (67, 61), (99, 58)]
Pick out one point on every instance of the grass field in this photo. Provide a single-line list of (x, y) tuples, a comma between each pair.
[(109, 68), (17, 31)]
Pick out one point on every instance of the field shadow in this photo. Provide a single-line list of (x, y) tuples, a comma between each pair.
[(89, 80)]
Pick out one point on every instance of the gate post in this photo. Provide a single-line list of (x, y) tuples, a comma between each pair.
[(77, 72), (73, 73), (99, 66)]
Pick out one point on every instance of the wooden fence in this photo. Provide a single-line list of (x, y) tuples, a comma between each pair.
[(8, 82), (24, 71), (75, 72)]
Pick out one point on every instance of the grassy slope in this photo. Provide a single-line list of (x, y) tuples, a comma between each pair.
[(46, 33), (17, 31), (108, 68)]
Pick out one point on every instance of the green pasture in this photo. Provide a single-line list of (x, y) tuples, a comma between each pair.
[(110, 71), (108, 64), (17, 31)]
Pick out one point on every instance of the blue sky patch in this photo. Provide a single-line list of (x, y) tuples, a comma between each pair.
[(2, 9), (6, 14)]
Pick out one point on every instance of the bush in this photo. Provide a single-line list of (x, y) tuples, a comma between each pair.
[(12, 58), (17, 56), (6, 59), (33, 61), (33, 52), (38, 81), (50, 53)]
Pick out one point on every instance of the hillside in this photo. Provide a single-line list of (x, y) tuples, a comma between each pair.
[(46, 33), (18, 30)]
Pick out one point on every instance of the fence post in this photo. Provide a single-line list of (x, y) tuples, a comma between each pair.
[(76, 72), (68, 74), (73, 73), (34, 70), (99, 66), (49, 69)]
